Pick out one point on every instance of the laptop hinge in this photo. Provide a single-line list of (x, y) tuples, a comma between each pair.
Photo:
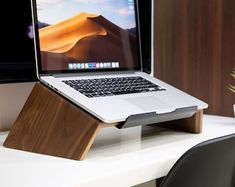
[(93, 73), (153, 117)]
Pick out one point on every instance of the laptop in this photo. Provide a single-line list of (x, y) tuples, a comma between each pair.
[(89, 52)]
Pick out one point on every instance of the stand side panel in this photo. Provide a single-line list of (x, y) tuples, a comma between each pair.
[(192, 124), (49, 124)]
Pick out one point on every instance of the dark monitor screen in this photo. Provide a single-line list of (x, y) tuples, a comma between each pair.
[(145, 17), (17, 60)]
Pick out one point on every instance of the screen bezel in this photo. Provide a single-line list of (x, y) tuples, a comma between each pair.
[(40, 71), (145, 13)]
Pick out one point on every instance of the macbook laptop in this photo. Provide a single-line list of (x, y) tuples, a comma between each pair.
[(89, 52)]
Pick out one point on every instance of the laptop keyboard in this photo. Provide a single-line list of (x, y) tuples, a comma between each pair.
[(113, 86)]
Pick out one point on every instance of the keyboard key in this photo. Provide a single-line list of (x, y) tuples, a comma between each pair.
[(112, 86)]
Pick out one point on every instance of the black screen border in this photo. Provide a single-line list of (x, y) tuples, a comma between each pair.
[(146, 18)]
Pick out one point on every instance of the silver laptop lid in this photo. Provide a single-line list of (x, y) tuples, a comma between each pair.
[(86, 35)]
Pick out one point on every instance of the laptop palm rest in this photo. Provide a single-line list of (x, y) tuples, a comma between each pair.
[(153, 117), (150, 103)]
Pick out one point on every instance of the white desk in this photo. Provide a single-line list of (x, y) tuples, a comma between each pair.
[(118, 158)]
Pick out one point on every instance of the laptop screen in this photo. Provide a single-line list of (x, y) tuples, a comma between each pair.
[(86, 35)]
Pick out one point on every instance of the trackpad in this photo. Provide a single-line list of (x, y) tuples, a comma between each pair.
[(150, 103)]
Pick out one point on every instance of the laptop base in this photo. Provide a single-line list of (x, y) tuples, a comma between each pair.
[(49, 124)]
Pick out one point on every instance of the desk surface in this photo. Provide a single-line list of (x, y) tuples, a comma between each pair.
[(118, 157)]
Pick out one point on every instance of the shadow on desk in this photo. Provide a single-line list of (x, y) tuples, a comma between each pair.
[(136, 138)]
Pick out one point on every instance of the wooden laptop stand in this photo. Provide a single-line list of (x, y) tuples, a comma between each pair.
[(49, 124)]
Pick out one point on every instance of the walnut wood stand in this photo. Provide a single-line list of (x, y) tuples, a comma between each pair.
[(49, 124)]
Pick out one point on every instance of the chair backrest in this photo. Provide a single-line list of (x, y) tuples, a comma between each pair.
[(208, 164)]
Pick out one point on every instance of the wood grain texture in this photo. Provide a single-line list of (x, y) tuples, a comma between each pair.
[(49, 124), (192, 125), (195, 49)]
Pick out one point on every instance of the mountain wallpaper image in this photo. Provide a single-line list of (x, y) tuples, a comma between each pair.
[(86, 38)]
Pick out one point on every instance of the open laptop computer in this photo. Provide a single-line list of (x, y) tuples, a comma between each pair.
[(89, 52)]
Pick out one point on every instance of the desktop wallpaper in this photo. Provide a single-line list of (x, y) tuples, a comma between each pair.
[(80, 32)]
